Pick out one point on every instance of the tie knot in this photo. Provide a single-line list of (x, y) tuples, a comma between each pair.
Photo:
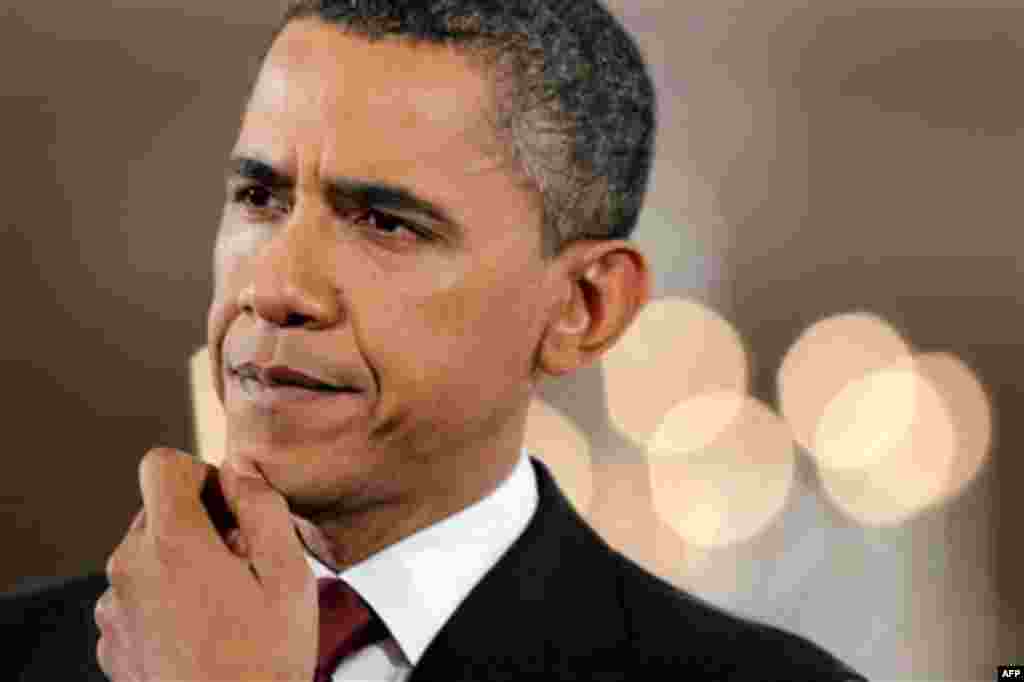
[(336, 594), (346, 625)]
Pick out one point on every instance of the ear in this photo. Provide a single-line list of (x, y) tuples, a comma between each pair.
[(604, 285)]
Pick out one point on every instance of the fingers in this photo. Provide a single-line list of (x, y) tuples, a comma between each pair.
[(266, 531), (103, 615), (175, 487), (171, 482), (111, 642)]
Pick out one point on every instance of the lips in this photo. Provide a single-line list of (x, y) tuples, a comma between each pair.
[(291, 397), (290, 393), (284, 376)]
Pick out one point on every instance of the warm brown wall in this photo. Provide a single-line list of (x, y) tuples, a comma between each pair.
[(116, 122)]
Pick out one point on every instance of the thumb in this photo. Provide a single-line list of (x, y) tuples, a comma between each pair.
[(267, 535)]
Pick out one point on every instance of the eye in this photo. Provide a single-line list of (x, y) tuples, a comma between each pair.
[(386, 224), (258, 198)]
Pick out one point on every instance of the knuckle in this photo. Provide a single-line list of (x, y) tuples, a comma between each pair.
[(157, 459), (160, 455), (103, 656), (171, 466), (170, 459), (151, 464), (107, 658), (103, 613)]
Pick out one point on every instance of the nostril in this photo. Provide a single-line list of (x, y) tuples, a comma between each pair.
[(295, 320)]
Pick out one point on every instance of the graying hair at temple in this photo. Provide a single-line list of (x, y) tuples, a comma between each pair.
[(575, 106)]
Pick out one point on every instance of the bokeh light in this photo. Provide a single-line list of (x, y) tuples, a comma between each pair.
[(697, 423), (913, 466), (827, 358), (969, 407), (867, 419), (553, 439), (927, 455), (621, 510), (208, 414), (676, 349), (715, 491)]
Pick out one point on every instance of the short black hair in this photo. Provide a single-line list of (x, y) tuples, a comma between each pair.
[(575, 100)]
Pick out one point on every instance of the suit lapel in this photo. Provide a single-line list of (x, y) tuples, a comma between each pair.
[(550, 604)]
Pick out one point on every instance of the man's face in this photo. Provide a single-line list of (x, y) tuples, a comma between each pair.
[(432, 311)]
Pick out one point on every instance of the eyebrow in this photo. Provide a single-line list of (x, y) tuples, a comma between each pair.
[(379, 195)]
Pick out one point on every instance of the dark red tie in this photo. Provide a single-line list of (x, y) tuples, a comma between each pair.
[(346, 625)]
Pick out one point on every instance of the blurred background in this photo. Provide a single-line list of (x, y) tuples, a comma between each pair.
[(812, 424)]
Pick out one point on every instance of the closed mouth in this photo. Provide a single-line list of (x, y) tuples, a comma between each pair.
[(280, 377)]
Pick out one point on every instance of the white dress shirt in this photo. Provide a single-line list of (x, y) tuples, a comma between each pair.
[(416, 584)]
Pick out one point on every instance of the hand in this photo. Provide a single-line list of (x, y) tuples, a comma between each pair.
[(184, 606)]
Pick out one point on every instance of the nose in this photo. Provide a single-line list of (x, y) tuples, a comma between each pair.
[(291, 283)]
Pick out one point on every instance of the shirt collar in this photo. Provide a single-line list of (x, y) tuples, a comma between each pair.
[(416, 584)]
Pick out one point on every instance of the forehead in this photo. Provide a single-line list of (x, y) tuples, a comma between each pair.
[(377, 110)]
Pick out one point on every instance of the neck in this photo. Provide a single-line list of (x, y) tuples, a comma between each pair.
[(347, 539)]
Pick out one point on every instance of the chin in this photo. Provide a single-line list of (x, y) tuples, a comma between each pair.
[(298, 469), (319, 502)]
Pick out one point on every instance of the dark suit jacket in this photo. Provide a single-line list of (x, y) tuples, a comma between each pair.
[(559, 605)]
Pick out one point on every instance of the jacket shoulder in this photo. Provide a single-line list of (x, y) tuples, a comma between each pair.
[(49, 628), (672, 630)]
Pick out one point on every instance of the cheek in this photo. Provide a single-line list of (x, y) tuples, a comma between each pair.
[(487, 296), (231, 252), (483, 330), (235, 246)]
